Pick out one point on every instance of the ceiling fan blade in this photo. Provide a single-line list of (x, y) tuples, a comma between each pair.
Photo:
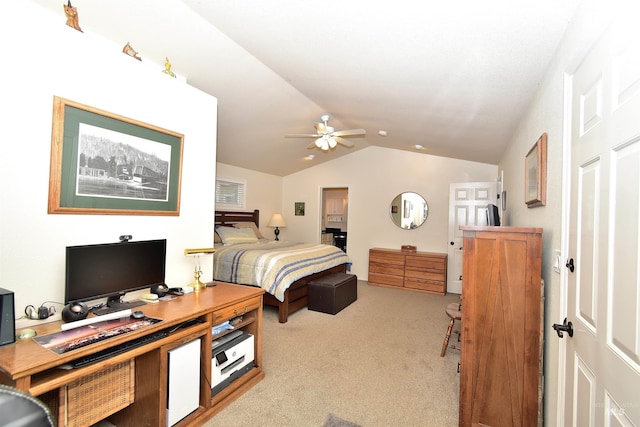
[(302, 135), (343, 141), (351, 132)]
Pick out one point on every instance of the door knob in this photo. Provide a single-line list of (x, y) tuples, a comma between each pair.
[(565, 327), (570, 265)]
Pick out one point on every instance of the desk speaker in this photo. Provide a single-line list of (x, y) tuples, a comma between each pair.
[(75, 311), (7, 317)]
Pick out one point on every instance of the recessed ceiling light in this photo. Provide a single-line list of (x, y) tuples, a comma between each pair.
[(419, 147), (382, 132), (310, 157)]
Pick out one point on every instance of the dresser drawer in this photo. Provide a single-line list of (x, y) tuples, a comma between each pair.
[(390, 269), (430, 263), (237, 310), (425, 285), (382, 257), (385, 279), (422, 273)]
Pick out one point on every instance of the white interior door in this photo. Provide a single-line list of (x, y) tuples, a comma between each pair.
[(467, 206), (602, 386)]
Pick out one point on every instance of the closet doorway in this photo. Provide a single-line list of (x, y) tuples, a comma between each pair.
[(334, 216)]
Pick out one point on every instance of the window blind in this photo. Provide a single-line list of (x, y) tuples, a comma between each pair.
[(230, 193)]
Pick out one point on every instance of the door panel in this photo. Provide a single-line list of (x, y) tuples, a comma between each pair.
[(603, 293), (624, 292), (587, 250)]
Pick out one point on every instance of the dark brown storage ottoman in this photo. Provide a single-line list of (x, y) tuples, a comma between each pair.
[(332, 293)]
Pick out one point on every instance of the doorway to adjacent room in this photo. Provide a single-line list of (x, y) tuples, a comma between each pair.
[(334, 216)]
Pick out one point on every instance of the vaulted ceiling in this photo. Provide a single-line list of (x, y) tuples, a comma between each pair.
[(452, 76)]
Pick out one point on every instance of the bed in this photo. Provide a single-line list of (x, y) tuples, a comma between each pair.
[(282, 269)]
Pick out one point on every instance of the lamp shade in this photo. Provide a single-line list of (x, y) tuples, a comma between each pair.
[(276, 221), (199, 251)]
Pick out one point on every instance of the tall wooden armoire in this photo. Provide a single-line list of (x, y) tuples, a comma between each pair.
[(501, 348)]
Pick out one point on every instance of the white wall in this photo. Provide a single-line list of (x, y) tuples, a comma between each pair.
[(42, 57), (374, 176), (546, 115)]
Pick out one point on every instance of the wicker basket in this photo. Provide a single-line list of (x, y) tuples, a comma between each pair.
[(52, 400), (96, 396)]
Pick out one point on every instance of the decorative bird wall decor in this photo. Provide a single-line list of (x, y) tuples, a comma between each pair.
[(72, 16)]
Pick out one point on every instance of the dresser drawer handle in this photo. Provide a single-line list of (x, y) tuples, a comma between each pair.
[(235, 311)]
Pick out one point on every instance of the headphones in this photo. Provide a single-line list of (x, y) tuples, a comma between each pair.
[(41, 313), (75, 311)]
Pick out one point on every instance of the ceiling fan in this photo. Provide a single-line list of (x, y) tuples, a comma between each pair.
[(327, 137)]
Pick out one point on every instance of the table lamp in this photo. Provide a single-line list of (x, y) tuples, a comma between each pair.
[(276, 221), (197, 271)]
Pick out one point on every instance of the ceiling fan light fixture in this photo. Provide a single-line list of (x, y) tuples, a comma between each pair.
[(326, 137)]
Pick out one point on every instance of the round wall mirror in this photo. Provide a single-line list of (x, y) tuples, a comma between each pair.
[(408, 210)]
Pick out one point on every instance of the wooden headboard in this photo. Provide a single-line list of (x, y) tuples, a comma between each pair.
[(232, 217)]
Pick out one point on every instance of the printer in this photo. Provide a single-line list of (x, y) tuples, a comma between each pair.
[(231, 357)]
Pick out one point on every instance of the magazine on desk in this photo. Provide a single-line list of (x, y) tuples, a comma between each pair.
[(73, 339)]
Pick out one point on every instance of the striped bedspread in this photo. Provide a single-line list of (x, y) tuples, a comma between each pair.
[(274, 266)]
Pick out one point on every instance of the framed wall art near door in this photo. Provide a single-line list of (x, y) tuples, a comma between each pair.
[(535, 169), (103, 163)]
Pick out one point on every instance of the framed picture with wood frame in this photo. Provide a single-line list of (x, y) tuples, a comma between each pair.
[(535, 169), (103, 163)]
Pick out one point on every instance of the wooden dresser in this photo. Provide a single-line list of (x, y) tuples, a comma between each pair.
[(415, 271), (501, 351)]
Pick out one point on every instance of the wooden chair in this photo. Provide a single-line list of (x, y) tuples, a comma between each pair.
[(454, 311)]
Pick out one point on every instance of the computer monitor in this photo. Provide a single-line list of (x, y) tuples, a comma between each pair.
[(493, 215), (112, 269)]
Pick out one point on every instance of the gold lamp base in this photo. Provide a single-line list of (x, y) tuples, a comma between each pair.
[(197, 285)]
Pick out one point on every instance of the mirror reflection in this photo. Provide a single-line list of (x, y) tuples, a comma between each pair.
[(409, 210)]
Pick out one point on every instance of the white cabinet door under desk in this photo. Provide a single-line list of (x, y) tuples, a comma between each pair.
[(183, 396)]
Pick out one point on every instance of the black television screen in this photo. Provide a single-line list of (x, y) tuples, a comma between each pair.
[(113, 269)]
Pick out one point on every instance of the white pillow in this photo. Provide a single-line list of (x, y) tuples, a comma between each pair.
[(233, 236), (251, 225)]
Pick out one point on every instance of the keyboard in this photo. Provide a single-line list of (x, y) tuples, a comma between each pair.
[(118, 349)]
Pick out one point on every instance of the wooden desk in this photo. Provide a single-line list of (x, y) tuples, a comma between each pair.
[(29, 366)]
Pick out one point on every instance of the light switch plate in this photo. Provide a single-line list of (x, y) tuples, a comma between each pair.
[(557, 260)]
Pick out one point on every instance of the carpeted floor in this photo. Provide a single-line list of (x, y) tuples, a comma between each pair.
[(376, 363)]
